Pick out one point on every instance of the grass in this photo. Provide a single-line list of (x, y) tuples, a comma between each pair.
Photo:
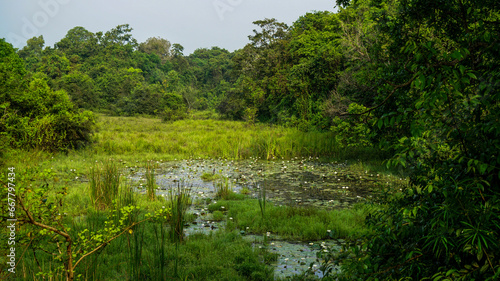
[(223, 189), (104, 181), (146, 255), (126, 136), (151, 166), (210, 176), (178, 202), (293, 222)]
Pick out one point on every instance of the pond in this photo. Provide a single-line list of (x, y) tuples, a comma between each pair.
[(298, 182)]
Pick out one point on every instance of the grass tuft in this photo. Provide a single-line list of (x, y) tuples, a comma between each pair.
[(151, 166), (104, 181), (223, 189), (178, 201)]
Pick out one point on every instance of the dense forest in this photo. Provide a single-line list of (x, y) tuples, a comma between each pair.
[(416, 79)]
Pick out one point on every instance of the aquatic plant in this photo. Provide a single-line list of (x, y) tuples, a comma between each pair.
[(262, 200), (104, 179), (151, 166), (223, 189), (178, 201)]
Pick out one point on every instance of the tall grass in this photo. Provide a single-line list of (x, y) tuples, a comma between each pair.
[(104, 179), (150, 179), (179, 200), (262, 200), (223, 189), (127, 136)]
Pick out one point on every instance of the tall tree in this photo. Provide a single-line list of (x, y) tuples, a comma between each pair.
[(157, 46)]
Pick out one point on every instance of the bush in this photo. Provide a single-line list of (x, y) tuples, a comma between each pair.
[(352, 131), (170, 115), (34, 115)]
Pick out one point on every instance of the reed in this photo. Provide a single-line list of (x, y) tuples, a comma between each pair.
[(151, 167), (223, 189), (179, 200), (262, 200), (104, 180)]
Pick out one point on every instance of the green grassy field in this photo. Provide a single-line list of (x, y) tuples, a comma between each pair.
[(145, 137)]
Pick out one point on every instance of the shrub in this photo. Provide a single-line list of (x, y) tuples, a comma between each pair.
[(352, 131)]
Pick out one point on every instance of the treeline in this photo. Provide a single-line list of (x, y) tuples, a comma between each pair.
[(286, 74), (297, 75), (293, 76)]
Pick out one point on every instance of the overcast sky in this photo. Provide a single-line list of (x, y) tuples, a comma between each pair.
[(192, 23)]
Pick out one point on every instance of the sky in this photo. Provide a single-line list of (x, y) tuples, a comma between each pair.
[(192, 23)]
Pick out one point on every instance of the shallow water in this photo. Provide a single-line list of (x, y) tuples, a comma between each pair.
[(305, 182), (297, 182)]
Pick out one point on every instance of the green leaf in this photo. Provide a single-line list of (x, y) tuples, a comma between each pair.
[(449, 272), (462, 69), (422, 82), (456, 55), (482, 168), (479, 255), (472, 75), (437, 278)]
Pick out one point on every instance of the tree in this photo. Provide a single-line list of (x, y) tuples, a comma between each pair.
[(34, 115), (81, 88), (54, 64), (79, 41), (157, 46), (32, 52), (442, 86), (120, 35)]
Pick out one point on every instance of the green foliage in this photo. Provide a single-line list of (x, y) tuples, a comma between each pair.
[(352, 131), (36, 116), (54, 65), (210, 176), (170, 115), (46, 232), (295, 222), (157, 46), (81, 89), (250, 115), (441, 109), (32, 52)]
